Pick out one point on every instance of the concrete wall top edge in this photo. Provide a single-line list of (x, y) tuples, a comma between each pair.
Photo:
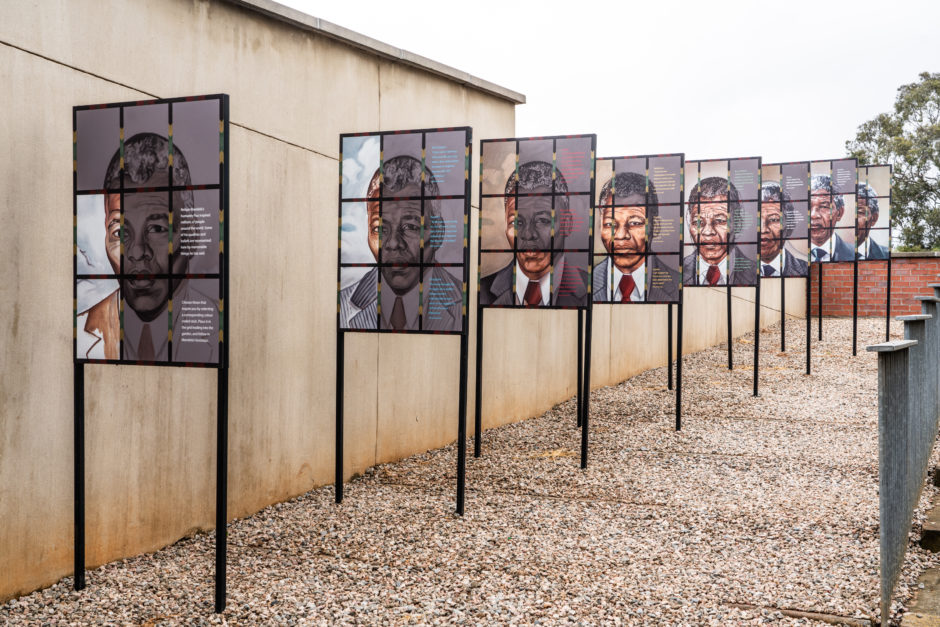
[(306, 22)]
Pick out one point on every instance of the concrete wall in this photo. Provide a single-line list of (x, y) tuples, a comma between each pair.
[(150, 432)]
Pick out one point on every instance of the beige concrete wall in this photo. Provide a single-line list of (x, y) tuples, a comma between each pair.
[(150, 432)]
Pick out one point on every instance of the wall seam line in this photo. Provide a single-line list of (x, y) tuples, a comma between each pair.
[(151, 95)]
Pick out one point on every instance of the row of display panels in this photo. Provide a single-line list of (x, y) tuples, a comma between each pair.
[(558, 227)]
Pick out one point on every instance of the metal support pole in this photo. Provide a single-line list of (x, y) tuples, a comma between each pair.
[(340, 375), (809, 319), (669, 347), (888, 303), (855, 308), (580, 386), (462, 421), (820, 300), (221, 485), (783, 315), (586, 389), (728, 318), (79, 473), (478, 389), (679, 368), (756, 335)]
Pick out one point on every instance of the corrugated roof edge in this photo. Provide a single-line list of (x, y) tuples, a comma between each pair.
[(306, 22)]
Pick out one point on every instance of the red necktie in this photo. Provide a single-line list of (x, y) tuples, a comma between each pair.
[(713, 275), (626, 287), (145, 346), (533, 294), (398, 315)]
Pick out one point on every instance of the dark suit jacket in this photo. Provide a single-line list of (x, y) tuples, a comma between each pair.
[(497, 288), (743, 276), (666, 293), (793, 266), (358, 303), (843, 251), (875, 250)]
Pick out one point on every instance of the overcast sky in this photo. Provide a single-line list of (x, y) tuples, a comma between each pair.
[(788, 81)]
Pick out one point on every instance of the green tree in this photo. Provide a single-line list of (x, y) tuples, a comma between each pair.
[(909, 138)]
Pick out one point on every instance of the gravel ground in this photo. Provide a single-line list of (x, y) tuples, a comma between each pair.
[(766, 502)]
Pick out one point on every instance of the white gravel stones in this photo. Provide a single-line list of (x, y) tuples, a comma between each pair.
[(768, 502)]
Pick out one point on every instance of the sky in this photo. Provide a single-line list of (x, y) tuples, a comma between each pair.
[(788, 81)]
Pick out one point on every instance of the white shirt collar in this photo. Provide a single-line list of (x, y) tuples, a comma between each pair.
[(522, 282), (826, 248), (639, 280), (775, 263), (703, 270)]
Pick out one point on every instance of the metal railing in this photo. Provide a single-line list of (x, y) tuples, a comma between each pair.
[(908, 410)]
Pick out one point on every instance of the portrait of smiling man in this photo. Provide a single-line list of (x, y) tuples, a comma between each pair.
[(626, 230), (826, 210), (394, 235), (715, 260), (529, 228), (778, 220), (866, 218)]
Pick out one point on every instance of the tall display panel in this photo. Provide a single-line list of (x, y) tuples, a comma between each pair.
[(150, 265)]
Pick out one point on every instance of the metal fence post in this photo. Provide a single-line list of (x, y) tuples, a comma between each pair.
[(893, 462)]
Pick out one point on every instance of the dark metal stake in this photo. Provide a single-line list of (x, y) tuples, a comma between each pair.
[(679, 369), (728, 316), (669, 346), (478, 389), (783, 315), (586, 389), (221, 487), (79, 472), (340, 375), (820, 299), (756, 335), (855, 308), (809, 317), (888, 303), (580, 398), (462, 421)]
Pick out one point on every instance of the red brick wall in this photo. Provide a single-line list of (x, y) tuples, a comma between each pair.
[(909, 278)]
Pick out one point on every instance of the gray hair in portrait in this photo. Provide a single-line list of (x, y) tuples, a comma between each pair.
[(712, 187), (867, 192), (771, 191), (823, 182), (144, 153), (398, 173), (634, 183), (536, 174)]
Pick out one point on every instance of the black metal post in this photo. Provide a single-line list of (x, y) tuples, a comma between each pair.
[(783, 314), (669, 346), (340, 375), (462, 422), (855, 308), (580, 398), (478, 389), (728, 317), (888, 303), (809, 318), (679, 368), (756, 335), (820, 299), (79, 473), (586, 389), (221, 487)]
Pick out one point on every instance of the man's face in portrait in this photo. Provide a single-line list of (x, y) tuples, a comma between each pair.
[(771, 232), (623, 231), (824, 215), (529, 226), (146, 247), (708, 223), (865, 219), (398, 233)]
